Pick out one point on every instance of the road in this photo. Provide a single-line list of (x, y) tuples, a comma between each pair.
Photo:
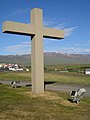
[(55, 86), (67, 88)]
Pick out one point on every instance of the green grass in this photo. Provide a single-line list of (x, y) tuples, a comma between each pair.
[(68, 78), (20, 104), (65, 78), (15, 76)]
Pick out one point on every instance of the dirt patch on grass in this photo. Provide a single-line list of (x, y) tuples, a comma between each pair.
[(68, 103), (45, 95), (52, 96)]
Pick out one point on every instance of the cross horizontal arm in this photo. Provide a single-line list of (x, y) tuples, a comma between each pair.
[(18, 28), (53, 33)]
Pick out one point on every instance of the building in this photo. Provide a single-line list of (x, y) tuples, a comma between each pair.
[(87, 71), (11, 67)]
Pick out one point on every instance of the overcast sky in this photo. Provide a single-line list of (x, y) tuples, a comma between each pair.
[(72, 16)]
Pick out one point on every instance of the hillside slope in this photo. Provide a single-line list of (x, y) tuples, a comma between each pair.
[(50, 58)]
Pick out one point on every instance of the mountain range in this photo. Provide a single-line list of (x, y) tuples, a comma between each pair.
[(50, 58)]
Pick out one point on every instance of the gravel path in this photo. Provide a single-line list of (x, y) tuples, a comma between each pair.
[(55, 86)]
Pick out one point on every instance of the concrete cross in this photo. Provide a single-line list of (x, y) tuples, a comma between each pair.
[(37, 32)]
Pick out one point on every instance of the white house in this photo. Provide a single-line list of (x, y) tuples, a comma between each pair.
[(15, 69), (87, 71)]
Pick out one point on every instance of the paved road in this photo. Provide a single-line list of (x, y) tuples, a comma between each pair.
[(55, 86), (67, 88)]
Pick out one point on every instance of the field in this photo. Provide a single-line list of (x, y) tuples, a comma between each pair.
[(65, 78), (20, 104)]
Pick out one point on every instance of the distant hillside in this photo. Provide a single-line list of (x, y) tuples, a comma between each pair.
[(20, 59), (50, 58), (58, 58)]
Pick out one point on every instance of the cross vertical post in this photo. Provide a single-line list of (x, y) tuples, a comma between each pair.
[(37, 53)]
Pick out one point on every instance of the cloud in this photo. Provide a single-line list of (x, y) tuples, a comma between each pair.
[(48, 22), (74, 50), (84, 44), (23, 48), (68, 31), (60, 26), (77, 48)]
